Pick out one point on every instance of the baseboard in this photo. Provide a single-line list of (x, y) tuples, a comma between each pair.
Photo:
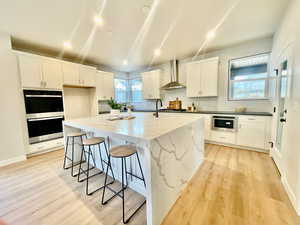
[(237, 146), (290, 194), (12, 160)]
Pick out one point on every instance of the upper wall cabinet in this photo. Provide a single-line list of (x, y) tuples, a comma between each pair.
[(87, 75), (70, 73), (202, 78), (30, 71), (40, 72), (151, 84), (78, 75), (52, 74), (105, 85)]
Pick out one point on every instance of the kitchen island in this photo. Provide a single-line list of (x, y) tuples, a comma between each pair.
[(170, 147)]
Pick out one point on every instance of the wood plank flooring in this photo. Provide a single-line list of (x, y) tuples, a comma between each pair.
[(232, 187)]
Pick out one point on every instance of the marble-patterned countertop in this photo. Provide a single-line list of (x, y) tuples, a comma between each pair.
[(145, 126)]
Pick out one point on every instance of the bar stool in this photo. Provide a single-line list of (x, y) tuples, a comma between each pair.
[(72, 136), (92, 142), (122, 152)]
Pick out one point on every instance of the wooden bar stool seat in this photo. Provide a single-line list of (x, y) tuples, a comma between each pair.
[(71, 137), (93, 141), (76, 134), (122, 151)]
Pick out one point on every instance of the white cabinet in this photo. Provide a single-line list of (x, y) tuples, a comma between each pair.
[(202, 78), (207, 126), (30, 71), (105, 85), (223, 137), (151, 84), (252, 132), (40, 72), (78, 75), (52, 74), (70, 73), (87, 76)]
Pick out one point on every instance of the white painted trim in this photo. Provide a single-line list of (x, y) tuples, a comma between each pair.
[(237, 146), (290, 194), (12, 160)]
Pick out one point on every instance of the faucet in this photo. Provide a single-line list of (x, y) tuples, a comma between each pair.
[(156, 112)]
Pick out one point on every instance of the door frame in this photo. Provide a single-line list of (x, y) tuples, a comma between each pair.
[(285, 54)]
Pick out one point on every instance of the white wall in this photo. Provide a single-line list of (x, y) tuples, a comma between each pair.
[(289, 35), (78, 102), (11, 120), (221, 102)]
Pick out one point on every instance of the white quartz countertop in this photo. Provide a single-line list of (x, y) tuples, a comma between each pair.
[(144, 126)]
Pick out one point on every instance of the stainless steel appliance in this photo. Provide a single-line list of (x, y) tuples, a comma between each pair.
[(44, 112), (224, 123)]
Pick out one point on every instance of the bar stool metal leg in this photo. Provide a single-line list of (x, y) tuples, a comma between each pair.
[(66, 153), (121, 193)]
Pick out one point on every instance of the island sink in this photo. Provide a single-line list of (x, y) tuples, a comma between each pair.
[(170, 147)]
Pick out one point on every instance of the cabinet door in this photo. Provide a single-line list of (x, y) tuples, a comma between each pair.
[(209, 77), (151, 84), (87, 76), (71, 73), (31, 71), (193, 79), (251, 133), (104, 85), (52, 74)]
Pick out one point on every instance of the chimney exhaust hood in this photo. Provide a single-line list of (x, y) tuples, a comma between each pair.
[(174, 84)]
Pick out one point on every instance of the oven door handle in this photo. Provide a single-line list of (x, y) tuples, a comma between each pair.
[(47, 118), (43, 96)]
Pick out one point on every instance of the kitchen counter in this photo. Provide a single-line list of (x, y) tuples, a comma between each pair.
[(208, 112), (169, 143)]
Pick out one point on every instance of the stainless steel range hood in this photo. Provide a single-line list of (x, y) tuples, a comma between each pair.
[(174, 83)]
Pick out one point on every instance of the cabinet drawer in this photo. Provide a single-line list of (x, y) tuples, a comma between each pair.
[(251, 119), (224, 137)]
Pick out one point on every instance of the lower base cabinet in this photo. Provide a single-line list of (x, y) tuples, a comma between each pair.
[(252, 132)]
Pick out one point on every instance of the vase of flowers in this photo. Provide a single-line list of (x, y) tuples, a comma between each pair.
[(115, 107)]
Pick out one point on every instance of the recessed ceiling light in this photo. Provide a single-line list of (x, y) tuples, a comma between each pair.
[(125, 62), (157, 52), (98, 20), (210, 35), (67, 45)]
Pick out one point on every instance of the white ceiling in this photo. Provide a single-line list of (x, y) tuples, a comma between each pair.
[(130, 34)]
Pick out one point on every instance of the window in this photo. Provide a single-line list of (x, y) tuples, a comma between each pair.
[(135, 86), (248, 78), (121, 90)]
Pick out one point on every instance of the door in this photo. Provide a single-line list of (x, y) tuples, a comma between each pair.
[(209, 77), (282, 93), (104, 85), (70, 73), (31, 71), (151, 84), (52, 74), (193, 79), (87, 76)]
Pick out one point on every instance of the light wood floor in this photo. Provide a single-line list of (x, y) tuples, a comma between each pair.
[(232, 187)]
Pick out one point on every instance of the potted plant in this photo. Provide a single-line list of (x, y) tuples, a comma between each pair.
[(115, 107)]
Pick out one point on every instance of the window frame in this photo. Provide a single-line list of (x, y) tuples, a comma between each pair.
[(127, 95), (130, 91), (230, 82)]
